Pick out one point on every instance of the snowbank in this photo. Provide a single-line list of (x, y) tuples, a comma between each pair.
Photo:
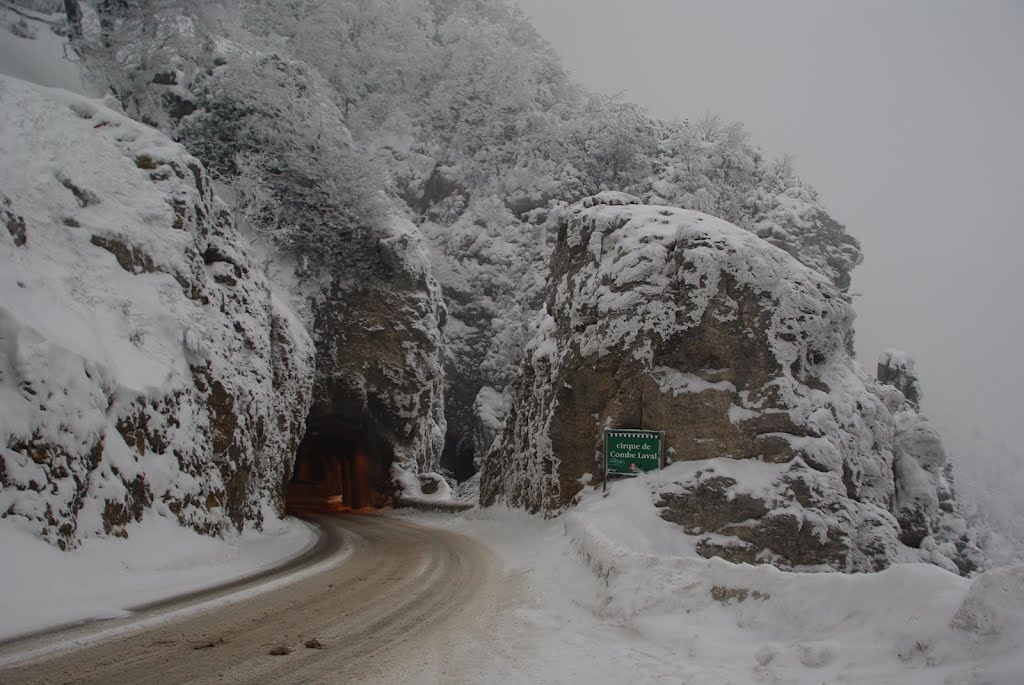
[(610, 593), (905, 617), (426, 487), (104, 578)]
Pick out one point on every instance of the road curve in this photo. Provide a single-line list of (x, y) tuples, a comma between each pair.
[(405, 586)]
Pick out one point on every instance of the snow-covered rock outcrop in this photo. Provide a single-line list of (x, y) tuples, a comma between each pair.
[(670, 319), (491, 267), (144, 362), (896, 368), (359, 271), (376, 321)]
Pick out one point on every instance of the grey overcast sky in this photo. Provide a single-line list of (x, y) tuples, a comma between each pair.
[(908, 117)]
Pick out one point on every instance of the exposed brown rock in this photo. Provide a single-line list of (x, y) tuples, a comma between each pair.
[(131, 258), (15, 224), (709, 508), (379, 354), (708, 383), (83, 196)]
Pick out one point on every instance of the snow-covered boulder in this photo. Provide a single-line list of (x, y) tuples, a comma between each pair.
[(994, 606), (673, 320), (144, 362)]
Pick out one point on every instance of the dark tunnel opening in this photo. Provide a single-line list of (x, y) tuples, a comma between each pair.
[(340, 467), (457, 457)]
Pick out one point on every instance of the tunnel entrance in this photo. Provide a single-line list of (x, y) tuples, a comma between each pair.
[(457, 457), (340, 468)]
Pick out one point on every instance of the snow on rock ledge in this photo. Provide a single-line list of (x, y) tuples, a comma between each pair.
[(670, 319), (144, 363)]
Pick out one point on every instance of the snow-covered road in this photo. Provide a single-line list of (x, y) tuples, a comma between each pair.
[(502, 597), (404, 596)]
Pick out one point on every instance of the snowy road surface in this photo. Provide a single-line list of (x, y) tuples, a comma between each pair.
[(500, 597), (404, 597)]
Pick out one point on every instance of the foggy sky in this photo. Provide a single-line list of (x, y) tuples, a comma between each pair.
[(907, 117)]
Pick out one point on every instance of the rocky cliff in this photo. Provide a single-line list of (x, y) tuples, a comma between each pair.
[(460, 115), (784, 451), (360, 272), (377, 326), (144, 363)]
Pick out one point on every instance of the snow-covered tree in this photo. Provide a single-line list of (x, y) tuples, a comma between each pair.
[(317, 188)]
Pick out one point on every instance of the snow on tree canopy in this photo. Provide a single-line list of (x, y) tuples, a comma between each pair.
[(144, 363), (669, 319)]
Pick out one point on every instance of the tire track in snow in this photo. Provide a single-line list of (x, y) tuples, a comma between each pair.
[(403, 588)]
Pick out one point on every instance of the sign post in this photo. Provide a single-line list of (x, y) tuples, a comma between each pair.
[(631, 452)]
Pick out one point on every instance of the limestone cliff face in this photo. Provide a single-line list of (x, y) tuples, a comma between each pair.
[(785, 452), (491, 268), (377, 327), (360, 273), (144, 363)]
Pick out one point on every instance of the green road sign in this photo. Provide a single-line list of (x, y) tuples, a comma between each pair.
[(629, 452)]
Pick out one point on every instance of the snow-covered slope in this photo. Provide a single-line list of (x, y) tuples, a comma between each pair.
[(144, 363), (33, 47), (610, 593), (911, 623)]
